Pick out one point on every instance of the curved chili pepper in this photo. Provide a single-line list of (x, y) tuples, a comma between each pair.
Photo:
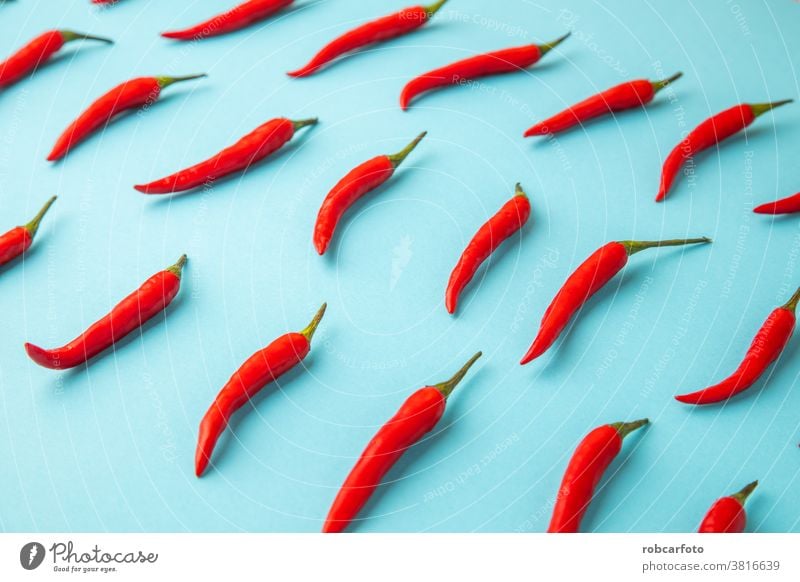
[(18, 240), (128, 315), (417, 416), (263, 367), (357, 183), (236, 18), (494, 63), (128, 95), (36, 52), (585, 469), (379, 30), (264, 140), (768, 344), (585, 281), (618, 98), (508, 220), (788, 205), (727, 515), (711, 132)]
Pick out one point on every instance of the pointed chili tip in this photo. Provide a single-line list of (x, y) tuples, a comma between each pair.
[(626, 428), (658, 85), (166, 81), (547, 47), (741, 496), (301, 123), (446, 388), (634, 246), (308, 332), (432, 9), (70, 35), (177, 268), (33, 225), (518, 191), (760, 108), (791, 305), (397, 159)]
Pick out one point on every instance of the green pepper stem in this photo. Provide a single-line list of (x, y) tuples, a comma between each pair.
[(742, 495), (760, 108), (518, 191), (301, 123), (433, 8), (33, 225), (308, 332), (791, 305), (658, 85), (626, 428), (447, 387), (634, 246), (397, 159), (167, 81), (548, 46), (70, 35), (177, 268)]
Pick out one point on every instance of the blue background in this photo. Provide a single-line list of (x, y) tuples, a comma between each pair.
[(111, 446)]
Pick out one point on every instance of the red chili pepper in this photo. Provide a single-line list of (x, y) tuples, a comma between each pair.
[(588, 278), (711, 132), (586, 467), (36, 52), (508, 220), (18, 240), (494, 63), (623, 96), (787, 205), (357, 183), (727, 515), (128, 95), (252, 148), (128, 315), (416, 417), (379, 30), (768, 344), (263, 367), (236, 18)]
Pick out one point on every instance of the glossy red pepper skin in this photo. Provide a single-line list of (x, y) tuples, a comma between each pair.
[(494, 63), (263, 367), (509, 219), (355, 185), (709, 133), (264, 140), (18, 240), (728, 515), (128, 315), (788, 205), (416, 417), (128, 95), (766, 347), (589, 462), (36, 52), (382, 29), (618, 98), (234, 19), (585, 281)]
